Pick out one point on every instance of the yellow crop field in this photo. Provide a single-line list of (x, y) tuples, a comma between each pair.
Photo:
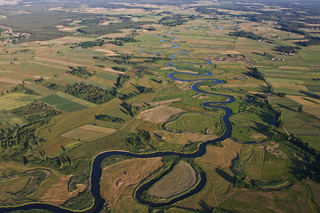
[(14, 100), (55, 190), (88, 133), (117, 178), (55, 144), (222, 156), (294, 67), (7, 167), (13, 185), (278, 85), (159, 114), (177, 138), (180, 179), (43, 91), (310, 105), (107, 51)]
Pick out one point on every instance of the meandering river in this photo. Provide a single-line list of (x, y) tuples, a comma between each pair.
[(97, 171)]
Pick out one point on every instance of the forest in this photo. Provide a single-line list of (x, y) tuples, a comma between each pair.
[(111, 28), (84, 91)]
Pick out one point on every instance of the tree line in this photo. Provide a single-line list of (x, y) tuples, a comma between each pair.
[(81, 72), (109, 118), (111, 28)]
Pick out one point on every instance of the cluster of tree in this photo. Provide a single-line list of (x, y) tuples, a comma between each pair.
[(142, 70), (86, 44), (109, 118), (118, 43), (63, 160), (20, 139), (312, 156), (157, 81), (125, 59), (21, 51), (173, 21), (311, 20), (141, 90), (279, 119), (111, 28), (127, 96), (33, 107), (287, 49), (281, 94), (151, 29), (130, 109), (269, 55), (127, 39), (86, 92), (257, 74), (284, 20), (81, 72), (138, 140), (100, 58), (293, 27), (40, 80), (53, 86), (36, 117), (300, 143), (121, 80), (258, 101), (35, 111), (311, 42), (122, 69), (206, 10), (94, 21), (242, 183), (90, 93), (21, 88), (249, 35)]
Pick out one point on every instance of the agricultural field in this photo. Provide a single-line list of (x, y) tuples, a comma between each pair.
[(161, 107), (180, 179), (88, 132), (159, 114), (118, 179)]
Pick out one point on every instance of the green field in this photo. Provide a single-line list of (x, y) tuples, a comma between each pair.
[(75, 99), (253, 161), (14, 100), (314, 141), (62, 103), (194, 122), (107, 76)]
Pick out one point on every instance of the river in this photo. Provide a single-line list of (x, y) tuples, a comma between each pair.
[(97, 171)]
